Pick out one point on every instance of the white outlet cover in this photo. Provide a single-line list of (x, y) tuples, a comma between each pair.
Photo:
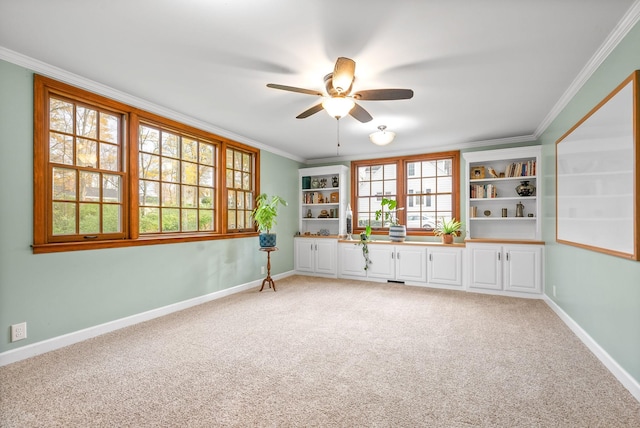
[(18, 331)]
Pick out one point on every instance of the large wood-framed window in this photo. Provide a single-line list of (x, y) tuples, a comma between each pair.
[(108, 175), (425, 186)]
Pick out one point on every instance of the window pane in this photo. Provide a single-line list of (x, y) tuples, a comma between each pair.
[(170, 144), (170, 196), (149, 193), (189, 220), (111, 188), (189, 173), (364, 173), (109, 128), (206, 154), (444, 184), (189, 197), (109, 157), (237, 180), (170, 219), (206, 176), (149, 220), (240, 220), (86, 122), (149, 140), (149, 166), (170, 170), (229, 178), (246, 162), (246, 181), (60, 116), (64, 218), (60, 148), (231, 199), (240, 200), (429, 169), (64, 184), (229, 162), (231, 219), (428, 185), (206, 198), (89, 218), (111, 221), (86, 153), (390, 188), (390, 172), (248, 203), (205, 220), (237, 161), (89, 186), (189, 149)]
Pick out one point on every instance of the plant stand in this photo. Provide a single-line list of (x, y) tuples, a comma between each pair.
[(268, 279)]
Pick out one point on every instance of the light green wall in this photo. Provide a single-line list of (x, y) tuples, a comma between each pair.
[(600, 292), (64, 292)]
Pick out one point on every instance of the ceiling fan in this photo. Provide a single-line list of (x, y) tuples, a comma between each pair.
[(339, 101)]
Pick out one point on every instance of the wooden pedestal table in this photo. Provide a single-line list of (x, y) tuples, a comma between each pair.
[(268, 279)]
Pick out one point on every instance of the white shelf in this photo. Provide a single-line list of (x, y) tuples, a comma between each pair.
[(313, 225), (496, 226)]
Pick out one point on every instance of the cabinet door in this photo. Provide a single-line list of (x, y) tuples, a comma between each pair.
[(445, 266), (303, 254), (325, 256), (383, 261), (350, 260), (411, 264), (485, 267), (523, 268)]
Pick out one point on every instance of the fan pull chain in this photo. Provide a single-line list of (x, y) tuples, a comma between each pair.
[(338, 148)]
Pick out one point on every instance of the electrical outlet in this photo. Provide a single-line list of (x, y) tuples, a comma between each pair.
[(18, 331), (262, 270), (554, 291)]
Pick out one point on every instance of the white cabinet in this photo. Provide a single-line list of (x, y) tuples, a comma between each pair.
[(316, 256), (505, 267), (444, 266), (397, 262), (323, 200), (492, 199), (351, 261)]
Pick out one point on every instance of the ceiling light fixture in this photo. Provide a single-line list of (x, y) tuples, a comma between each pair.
[(338, 106), (382, 137)]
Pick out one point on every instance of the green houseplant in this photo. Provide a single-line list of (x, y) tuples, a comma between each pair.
[(448, 229), (264, 215), (388, 212)]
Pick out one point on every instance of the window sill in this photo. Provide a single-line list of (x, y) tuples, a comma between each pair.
[(147, 240)]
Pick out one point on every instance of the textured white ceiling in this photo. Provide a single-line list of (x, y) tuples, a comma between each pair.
[(480, 70)]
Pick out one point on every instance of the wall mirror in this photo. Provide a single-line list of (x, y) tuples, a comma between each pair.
[(597, 203)]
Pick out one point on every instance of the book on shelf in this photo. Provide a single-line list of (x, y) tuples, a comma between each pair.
[(483, 191), (521, 169)]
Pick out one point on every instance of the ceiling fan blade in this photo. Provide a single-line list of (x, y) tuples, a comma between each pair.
[(384, 94), (360, 114), (294, 89), (343, 74), (313, 110)]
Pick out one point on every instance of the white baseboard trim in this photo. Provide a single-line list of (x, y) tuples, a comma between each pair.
[(621, 374), (58, 342)]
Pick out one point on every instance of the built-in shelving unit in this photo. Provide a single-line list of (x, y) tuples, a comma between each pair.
[(492, 200), (323, 200)]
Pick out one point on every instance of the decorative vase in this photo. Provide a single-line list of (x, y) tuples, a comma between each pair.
[(525, 189), (447, 239), (267, 240), (397, 233)]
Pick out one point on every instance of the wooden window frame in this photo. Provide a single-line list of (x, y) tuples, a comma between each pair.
[(43, 88), (401, 193)]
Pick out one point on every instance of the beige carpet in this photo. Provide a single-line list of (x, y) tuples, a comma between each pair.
[(325, 353)]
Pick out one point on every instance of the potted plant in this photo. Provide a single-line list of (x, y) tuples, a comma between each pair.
[(448, 229), (265, 215), (364, 241), (397, 231)]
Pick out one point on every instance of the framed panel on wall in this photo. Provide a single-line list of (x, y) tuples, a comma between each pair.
[(597, 205)]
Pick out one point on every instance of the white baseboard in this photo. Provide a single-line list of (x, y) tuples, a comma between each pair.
[(54, 343), (621, 374)]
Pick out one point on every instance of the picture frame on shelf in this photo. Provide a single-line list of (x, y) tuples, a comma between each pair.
[(476, 173)]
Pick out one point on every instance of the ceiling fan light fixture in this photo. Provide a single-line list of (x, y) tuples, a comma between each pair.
[(338, 107), (382, 137)]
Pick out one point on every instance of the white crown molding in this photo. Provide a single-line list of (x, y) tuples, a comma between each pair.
[(443, 148), (628, 21), (106, 91)]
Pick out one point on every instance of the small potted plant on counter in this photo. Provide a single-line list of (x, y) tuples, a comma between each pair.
[(448, 229), (397, 231)]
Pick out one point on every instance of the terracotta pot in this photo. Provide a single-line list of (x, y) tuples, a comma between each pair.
[(447, 239)]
